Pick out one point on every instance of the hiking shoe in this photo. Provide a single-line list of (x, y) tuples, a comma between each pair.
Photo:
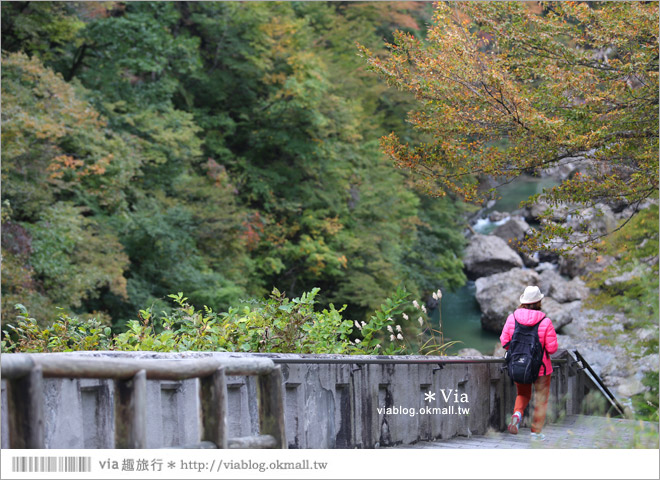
[(513, 424), (539, 437)]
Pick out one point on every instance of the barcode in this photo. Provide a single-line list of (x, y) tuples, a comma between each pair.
[(51, 464)]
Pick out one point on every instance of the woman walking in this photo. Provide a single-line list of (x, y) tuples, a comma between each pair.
[(529, 314)]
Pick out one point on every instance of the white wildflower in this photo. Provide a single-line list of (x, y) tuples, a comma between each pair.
[(399, 336), (357, 325), (357, 340), (398, 328), (439, 294), (421, 322), (392, 338), (405, 317), (435, 296), (364, 324), (389, 329), (423, 309), (378, 346), (415, 304)]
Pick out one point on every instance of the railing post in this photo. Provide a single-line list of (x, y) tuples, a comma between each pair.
[(213, 400), (131, 411), (271, 406), (26, 410)]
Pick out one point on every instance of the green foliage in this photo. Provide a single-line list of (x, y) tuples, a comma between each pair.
[(276, 324), (73, 257), (646, 405), (45, 29), (136, 56), (218, 148), (67, 334), (636, 251), (55, 145)]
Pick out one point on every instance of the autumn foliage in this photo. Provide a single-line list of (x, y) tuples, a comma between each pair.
[(506, 88)]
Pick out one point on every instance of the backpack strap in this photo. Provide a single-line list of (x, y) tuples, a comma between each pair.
[(545, 352), (516, 321)]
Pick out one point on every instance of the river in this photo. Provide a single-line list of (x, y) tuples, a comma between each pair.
[(461, 316)]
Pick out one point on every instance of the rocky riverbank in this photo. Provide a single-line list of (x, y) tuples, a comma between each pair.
[(501, 271)]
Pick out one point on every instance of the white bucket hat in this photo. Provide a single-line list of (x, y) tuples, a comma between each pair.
[(532, 294)]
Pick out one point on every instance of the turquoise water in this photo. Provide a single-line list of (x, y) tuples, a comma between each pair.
[(461, 316), (461, 320), (518, 190)]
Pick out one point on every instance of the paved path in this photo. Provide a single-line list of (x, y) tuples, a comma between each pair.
[(574, 431)]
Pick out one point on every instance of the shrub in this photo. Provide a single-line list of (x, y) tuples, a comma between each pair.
[(276, 325)]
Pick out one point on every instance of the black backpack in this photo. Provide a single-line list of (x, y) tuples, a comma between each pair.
[(524, 358)]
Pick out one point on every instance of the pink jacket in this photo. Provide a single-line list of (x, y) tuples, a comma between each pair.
[(547, 334)]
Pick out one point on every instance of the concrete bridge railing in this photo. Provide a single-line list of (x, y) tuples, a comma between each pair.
[(34, 380), (329, 401)]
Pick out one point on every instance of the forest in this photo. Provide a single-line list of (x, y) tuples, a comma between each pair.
[(219, 149), (300, 176)]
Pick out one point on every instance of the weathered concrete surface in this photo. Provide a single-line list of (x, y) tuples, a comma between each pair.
[(327, 405), (573, 431)]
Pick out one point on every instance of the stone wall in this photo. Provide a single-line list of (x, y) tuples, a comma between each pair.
[(327, 405)]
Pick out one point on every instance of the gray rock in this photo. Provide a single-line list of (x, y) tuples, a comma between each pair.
[(529, 261), (592, 333), (567, 167), (599, 219), (558, 213), (625, 277), (499, 351), (487, 255), (554, 285), (498, 295), (469, 352), (514, 231), (582, 261), (646, 334), (649, 363), (561, 314), (631, 386), (547, 279), (496, 216)]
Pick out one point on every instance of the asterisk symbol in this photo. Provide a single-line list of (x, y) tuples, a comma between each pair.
[(430, 396), (171, 465)]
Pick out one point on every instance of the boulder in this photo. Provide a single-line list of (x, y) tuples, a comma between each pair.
[(514, 231), (554, 285), (499, 295), (487, 255), (647, 334), (496, 216), (557, 213), (599, 219), (567, 168), (499, 351), (619, 281), (570, 291), (581, 261), (649, 363), (631, 386), (469, 352), (561, 314)]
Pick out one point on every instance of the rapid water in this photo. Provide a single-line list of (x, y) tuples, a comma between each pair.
[(461, 316)]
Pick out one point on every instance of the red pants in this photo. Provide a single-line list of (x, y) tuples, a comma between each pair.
[(541, 390)]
